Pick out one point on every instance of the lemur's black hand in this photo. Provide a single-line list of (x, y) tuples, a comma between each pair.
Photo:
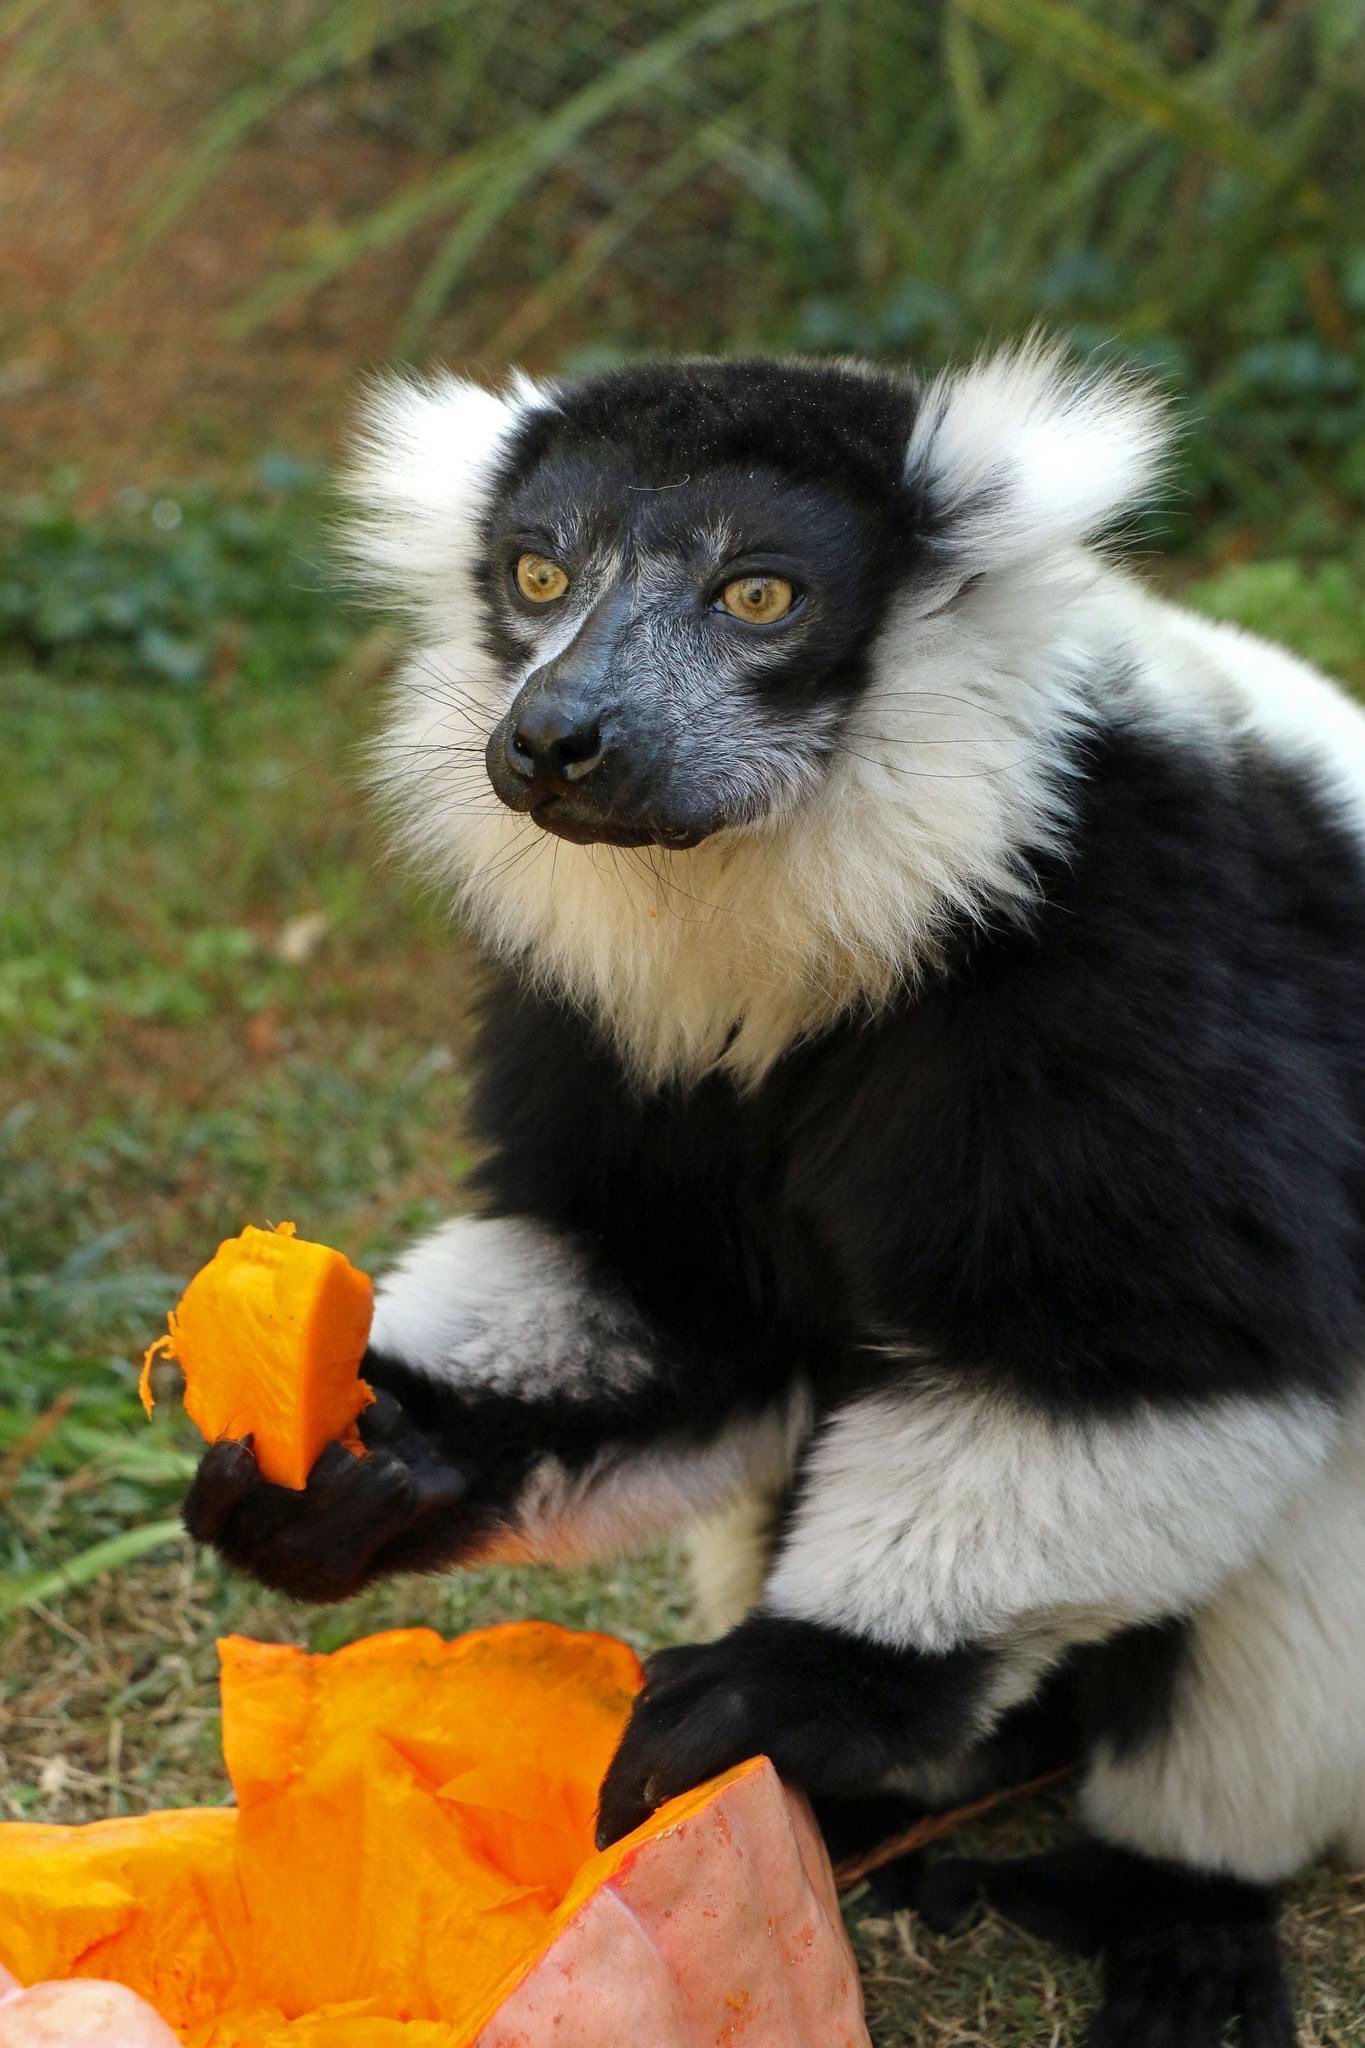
[(396, 1508), (833, 1713)]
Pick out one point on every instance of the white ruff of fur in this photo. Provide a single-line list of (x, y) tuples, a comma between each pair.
[(725, 955)]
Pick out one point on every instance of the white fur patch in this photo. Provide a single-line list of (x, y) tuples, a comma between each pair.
[(1023, 452), (944, 1516), (419, 473), (1263, 1766), (505, 1305), (1285, 706), (626, 1499)]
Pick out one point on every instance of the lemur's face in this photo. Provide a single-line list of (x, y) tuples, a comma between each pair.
[(681, 619), (821, 624)]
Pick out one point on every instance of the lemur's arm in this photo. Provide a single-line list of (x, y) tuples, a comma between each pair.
[(945, 1548), (529, 1410), (553, 1385)]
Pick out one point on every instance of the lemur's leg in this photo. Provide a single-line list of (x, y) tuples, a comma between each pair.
[(1040, 1736), (728, 1556), (945, 1548), (1262, 1767), (530, 1411), (947, 1545)]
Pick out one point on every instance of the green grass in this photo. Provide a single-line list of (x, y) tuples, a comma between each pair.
[(217, 1003)]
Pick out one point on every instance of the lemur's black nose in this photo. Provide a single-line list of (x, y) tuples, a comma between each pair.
[(551, 742)]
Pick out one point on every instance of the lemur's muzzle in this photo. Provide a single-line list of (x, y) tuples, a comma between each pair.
[(567, 754)]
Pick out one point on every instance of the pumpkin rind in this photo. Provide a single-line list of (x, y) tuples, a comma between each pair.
[(270, 1335), (719, 1925), (87, 2014)]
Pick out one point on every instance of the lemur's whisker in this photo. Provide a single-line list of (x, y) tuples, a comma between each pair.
[(926, 774), (525, 842), (914, 740)]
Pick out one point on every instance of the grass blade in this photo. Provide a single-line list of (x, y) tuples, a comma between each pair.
[(25, 1589), (1114, 68), (539, 308), (330, 50), (508, 167)]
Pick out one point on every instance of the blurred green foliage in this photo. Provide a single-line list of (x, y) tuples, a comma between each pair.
[(211, 1010), (1318, 609), (172, 587), (1180, 180)]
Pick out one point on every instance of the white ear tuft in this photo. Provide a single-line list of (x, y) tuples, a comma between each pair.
[(419, 475), (1026, 451)]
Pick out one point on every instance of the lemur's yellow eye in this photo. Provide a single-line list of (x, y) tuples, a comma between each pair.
[(540, 580), (758, 600)]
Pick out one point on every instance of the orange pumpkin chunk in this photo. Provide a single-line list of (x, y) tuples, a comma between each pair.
[(270, 1335)]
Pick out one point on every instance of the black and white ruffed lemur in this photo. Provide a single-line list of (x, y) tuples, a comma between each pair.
[(922, 1085)]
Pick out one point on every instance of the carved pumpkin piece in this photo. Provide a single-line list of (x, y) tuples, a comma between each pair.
[(270, 1335)]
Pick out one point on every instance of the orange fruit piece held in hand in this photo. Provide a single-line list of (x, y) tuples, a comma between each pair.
[(270, 1335)]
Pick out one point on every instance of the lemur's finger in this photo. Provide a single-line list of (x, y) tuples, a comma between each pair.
[(383, 1424), (356, 1508), (226, 1472), (437, 1488), (667, 1672), (317, 1543)]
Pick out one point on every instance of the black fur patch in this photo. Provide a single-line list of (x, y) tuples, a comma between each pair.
[(1107, 1158), (813, 422), (1126, 1689)]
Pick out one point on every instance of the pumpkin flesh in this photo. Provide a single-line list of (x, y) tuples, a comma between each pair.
[(270, 1335), (410, 1865)]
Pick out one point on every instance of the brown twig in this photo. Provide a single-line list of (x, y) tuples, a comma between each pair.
[(935, 1826), (32, 1441)]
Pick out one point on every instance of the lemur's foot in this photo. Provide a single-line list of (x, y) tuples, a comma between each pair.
[(1190, 1959)]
